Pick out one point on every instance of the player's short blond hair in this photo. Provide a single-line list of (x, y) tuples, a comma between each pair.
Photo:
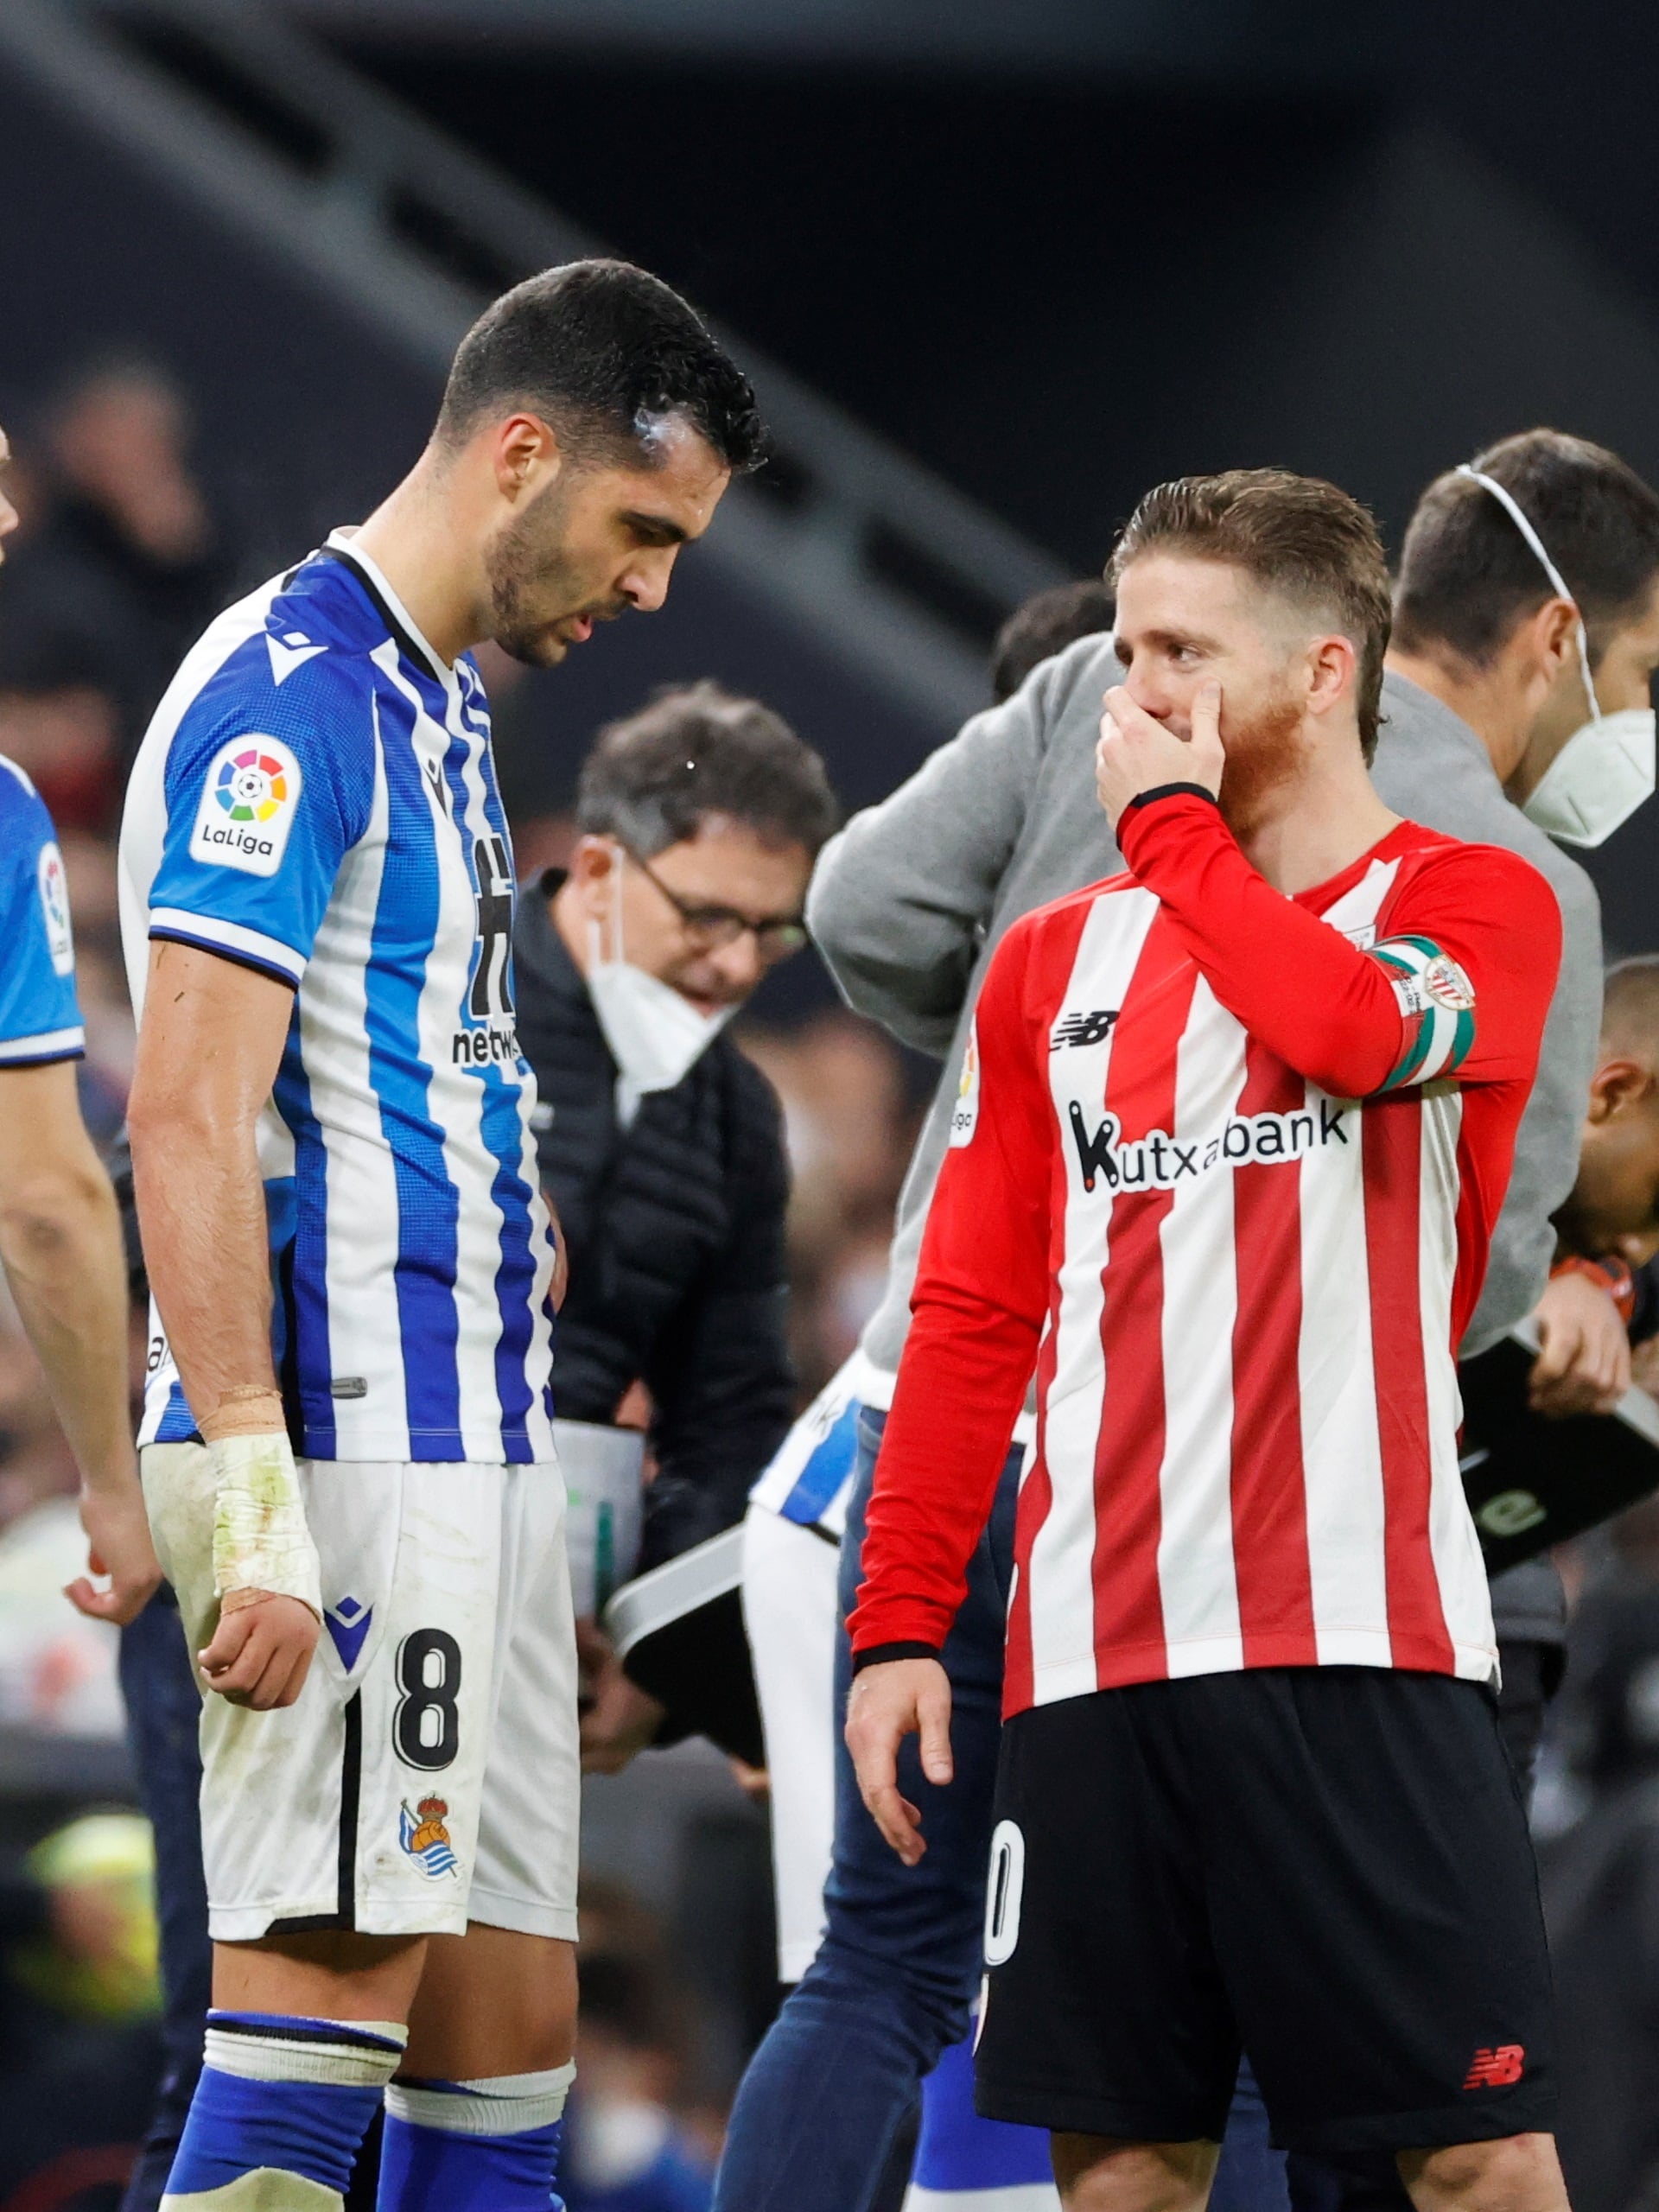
[(1297, 537)]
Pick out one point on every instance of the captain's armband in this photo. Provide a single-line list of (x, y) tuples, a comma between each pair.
[(1437, 1005)]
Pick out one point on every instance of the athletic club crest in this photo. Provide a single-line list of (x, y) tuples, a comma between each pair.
[(425, 1838)]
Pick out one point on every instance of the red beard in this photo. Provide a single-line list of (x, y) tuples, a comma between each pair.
[(1262, 756)]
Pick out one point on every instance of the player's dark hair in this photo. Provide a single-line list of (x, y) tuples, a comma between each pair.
[(694, 751), (1296, 536), (606, 353), (1630, 1006), (1047, 623), (1467, 576)]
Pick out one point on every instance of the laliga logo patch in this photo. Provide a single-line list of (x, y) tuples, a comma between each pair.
[(248, 803), (965, 1115), (251, 786), (54, 907), (424, 1837)]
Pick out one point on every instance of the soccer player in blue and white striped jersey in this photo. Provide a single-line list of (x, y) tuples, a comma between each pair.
[(59, 1233), (350, 1408)]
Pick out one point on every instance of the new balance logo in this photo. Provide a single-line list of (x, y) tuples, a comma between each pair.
[(1084, 1028), (1496, 2068)]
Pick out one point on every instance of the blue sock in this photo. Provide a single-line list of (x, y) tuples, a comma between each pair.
[(473, 2146), (285, 2094), (958, 2154)]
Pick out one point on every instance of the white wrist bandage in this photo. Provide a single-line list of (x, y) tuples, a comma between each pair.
[(260, 1538)]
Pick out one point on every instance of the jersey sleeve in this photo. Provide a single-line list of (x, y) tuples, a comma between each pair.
[(1474, 947), (40, 1018), (1457, 989), (266, 790), (982, 1292)]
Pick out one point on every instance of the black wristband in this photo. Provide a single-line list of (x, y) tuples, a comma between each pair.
[(1173, 791), (878, 1653)]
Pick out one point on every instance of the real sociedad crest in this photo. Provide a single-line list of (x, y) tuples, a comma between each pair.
[(425, 1838)]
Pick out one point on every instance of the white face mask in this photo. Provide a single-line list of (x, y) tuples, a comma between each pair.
[(655, 1033), (1606, 768)]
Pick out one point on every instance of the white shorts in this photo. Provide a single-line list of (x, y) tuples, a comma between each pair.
[(429, 1772), (790, 1609)]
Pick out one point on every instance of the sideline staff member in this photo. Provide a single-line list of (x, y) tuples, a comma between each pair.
[(659, 1143), (1525, 633)]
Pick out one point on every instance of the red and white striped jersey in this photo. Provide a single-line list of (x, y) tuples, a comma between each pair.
[(1223, 1170)]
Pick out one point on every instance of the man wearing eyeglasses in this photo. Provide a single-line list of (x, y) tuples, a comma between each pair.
[(660, 1145)]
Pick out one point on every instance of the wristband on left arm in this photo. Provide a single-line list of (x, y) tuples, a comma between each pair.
[(261, 1541), (878, 1653)]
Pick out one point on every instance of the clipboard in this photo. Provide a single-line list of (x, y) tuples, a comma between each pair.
[(1531, 1482)]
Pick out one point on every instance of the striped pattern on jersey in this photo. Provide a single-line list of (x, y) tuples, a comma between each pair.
[(411, 1251), (1297, 1502)]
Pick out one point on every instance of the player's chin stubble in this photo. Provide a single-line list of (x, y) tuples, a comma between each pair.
[(525, 563)]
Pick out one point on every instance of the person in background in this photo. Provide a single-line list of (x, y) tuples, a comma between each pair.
[(1046, 623), (64, 731), (1612, 1210), (660, 1144), (628, 2149), (1516, 712), (128, 560), (59, 1231), (78, 2008)]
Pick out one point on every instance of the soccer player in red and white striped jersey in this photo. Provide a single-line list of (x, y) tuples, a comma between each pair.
[(1231, 1139)]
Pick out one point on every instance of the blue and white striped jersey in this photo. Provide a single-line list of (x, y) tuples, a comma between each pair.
[(39, 1020), (810, 1477), (316, 798)]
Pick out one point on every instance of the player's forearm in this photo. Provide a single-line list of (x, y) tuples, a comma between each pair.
[(60, 1244), (201, 1213), (209, 1045), (1296, 984)]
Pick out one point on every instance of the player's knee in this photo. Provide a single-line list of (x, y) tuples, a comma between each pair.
[(1096, 2173), (1514, 2173)]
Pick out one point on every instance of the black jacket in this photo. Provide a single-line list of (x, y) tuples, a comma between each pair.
[(674, 1231)]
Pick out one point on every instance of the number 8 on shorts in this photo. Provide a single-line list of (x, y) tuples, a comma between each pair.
[(426, 1728)]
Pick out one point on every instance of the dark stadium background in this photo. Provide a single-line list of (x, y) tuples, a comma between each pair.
[(1051, 250)]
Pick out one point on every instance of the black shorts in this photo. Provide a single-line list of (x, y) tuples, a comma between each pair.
[(1328, 1867)]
